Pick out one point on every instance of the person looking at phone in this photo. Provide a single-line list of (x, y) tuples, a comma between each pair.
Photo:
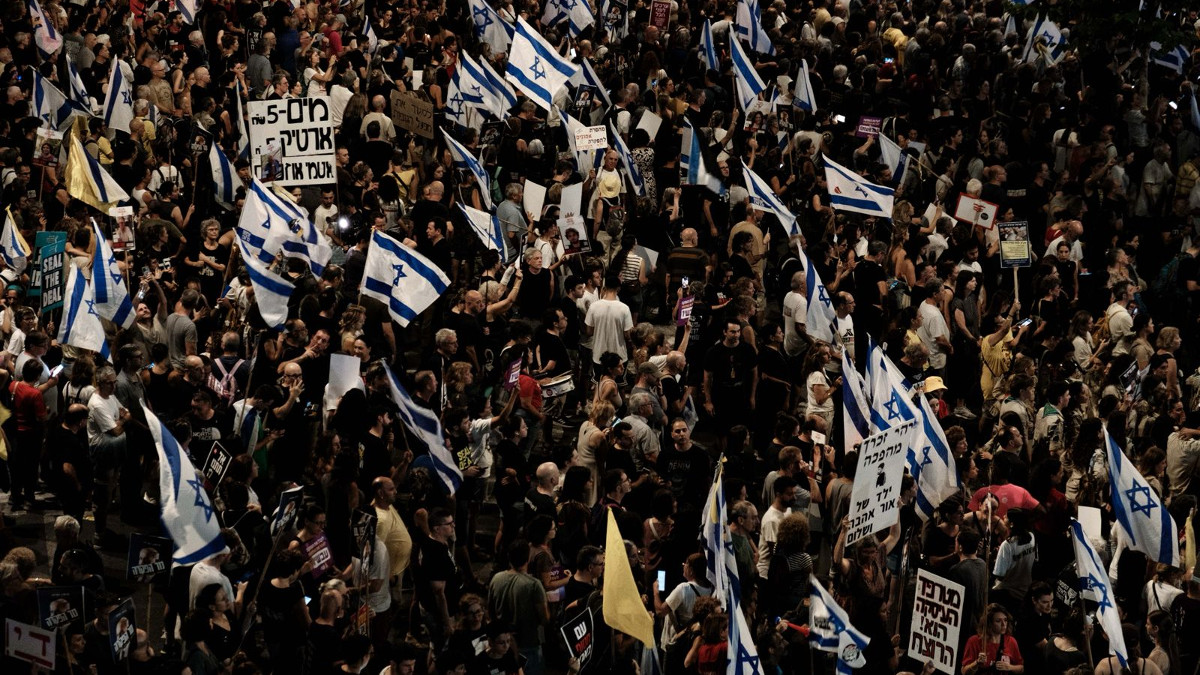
[(677, 608)]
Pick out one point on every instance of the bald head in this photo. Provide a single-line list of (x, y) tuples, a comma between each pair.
[(547, 476), (689, 237), (377, 103)]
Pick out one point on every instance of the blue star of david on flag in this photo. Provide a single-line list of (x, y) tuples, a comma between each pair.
[(823, 297), (538, 70), (399, 270), (92, 307), (1095, 584), (200, 501), (481, 25), (1139, 489), (114, 270), (926, 459)]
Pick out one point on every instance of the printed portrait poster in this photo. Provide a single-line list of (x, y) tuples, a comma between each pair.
[(148, 557), (61, 606), (122, 630)]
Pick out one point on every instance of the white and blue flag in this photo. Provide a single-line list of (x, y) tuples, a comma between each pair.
[(463, 159), (81, 325), (891, 156), (821, 321), (749, 85), (748, 25), (224, 177), (535, 67), (479, 90), (500, 87), (187, 9), (368, 32), (272, 224), (1141, 513), (631, 167), (935, 471), (890, 403), (691, 160), (457, 109), (584, 159), (1095, 585), (1044, 39), (118, 105), (490, 27), (271, 291), (50, 104), (763, 198), (830, 630), (76, 91), (708, 48), (487, 227), (45, 36), (856, 414), (587, 75), (108, 283), (425, 426), (243, 131), (850, 192), (13, 247), (723, 573), (187, 512), (803, 96), (1176, 59), (399, 277)]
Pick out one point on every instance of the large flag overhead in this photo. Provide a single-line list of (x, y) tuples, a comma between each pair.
[(691, 160), (464, 159), (822, 320), (187, 511), (487, 227), (763, 198), (45, 36), (112, 295), (708, 48), (622, 603), (425, 426), (850, 192), (477, 89), (271, 291), (89, 183), (631, 167), (831, 631), (749, 84), (535, 67), (49, 103), (272, 224), (803, 96), (1095, 585), (1143, 518), (500, 87), (399, 277), (490, 27), (118, 104), (748, 26), (224, 177), (81, 325), (13, 247), (856, 413)]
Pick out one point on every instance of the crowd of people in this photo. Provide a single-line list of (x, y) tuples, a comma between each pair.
[(609, 350)]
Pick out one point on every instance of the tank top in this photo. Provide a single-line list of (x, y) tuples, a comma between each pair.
[(632, 269)]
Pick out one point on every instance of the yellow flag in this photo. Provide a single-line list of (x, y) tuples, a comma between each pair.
[(76, 178), (623, 608)]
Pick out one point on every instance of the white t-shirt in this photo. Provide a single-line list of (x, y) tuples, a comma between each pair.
[(103, 414), (609, 319), (795, 315), (768, 532), (381, 600), (204, 575), (845, 331), (933, 325)]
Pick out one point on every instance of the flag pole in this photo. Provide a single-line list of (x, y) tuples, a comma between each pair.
[(1087, 638)]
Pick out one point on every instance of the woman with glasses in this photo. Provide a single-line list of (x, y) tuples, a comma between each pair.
[(993, 649), (470, 638), (312, 542)]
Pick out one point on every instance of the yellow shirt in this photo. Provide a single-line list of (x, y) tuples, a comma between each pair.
[(996, 360), (391, 530)]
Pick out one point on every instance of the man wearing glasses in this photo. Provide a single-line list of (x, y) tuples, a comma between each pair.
[(437, 582)]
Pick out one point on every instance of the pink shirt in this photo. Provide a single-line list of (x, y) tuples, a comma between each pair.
[(1009, 496)]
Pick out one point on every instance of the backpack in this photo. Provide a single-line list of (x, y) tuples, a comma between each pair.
[(225, 388)]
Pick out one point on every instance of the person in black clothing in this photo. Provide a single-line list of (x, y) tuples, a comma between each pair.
[(436, 576), (375, 447), (72, 465), (730, 378), (743, 248)]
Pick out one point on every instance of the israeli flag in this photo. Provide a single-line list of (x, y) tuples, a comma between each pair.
[(587, 75), (1176, 59), (580, 14), (803, 96), (763, 198), (271, 291), (535, 67), (935, 471), (187, 9), (631, 168), (555, 12), (118, 105), (892, 157), (77, 92), (425, 426), (490, 27), (748, 23), (272, 224), (691, 160), (487, 227), (13, 247), (749, 84), (477, 90), (368, 32), (890, 402), (500, 88), (102, 185), (399, 277), (187, 512), (850, 192), (112, 296), (723, 573), (456, 108), (1095, 585), (708, 48), (463, 159), (81, 325), (46, 37), (856, 412), (1044, 39), (821, 322), (50, 104), (225, 179), (830, 630), (1143, 517), (243, 132)]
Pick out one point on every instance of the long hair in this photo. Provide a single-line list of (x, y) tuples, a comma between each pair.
[(1166, 637), (985, 620)]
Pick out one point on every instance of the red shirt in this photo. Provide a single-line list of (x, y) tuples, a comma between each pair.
[(29, 407), (528, 388), (1009, 496), (1011, 650)]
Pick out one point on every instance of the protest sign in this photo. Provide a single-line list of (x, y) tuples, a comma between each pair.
[(512, 375), (148, 557), (122, 630), (685, 309), (343, 376), (50, 268), (875, 497), (660, 14), (650, 123), (534, 198), (578, 634), (59, 606), (123, 234), (936, 621), (574, 234), (412, 113), (216, 464), (29, 643), (868, 127), (291, 141), (319, 554), (1015, 250), (976, 211), (591, 138), (285, 513)]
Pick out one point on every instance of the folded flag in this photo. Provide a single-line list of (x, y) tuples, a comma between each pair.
[(118, 105), (13, 247)]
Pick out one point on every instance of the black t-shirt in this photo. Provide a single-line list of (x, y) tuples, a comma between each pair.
[(466, 328), (68, 448), (505, 665), (206, 432), (741, 268), (867, 275), (688, 471), (1189, 270), (374, 460), (731, 368), (538, 504), (434, 562), (551, 348)]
